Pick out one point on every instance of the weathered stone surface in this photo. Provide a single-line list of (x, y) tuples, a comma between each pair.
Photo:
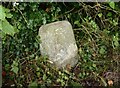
[(58, 43)]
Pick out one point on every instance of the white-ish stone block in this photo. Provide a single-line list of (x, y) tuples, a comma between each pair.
[(58, 43)]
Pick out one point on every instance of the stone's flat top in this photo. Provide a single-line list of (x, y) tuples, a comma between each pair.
[(58, 43), (58, 23)]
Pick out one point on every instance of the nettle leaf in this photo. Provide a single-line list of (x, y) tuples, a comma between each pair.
[(7, 28), (112, 4), (2, 13)]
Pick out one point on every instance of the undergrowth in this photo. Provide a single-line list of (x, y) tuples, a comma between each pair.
[(96, 28)]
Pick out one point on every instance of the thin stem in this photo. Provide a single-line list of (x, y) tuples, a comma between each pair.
[(22, 15)]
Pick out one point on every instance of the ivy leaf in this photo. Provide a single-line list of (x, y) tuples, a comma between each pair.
[(15, 63), (44, 77), (116, 40), (112, 4), (44, 20), (14, 69), (109, 14)]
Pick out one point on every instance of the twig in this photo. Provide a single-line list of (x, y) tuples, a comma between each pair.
[(78, 10), (103, 62), (22, 15), (70, 10), (66, 13), (102, 79), (89, 35), (28, 57)]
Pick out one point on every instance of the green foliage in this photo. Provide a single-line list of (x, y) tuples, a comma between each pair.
[(102, 50), (76, 85), (115, 41), (112, 4), (33, 85), (62, 78), (100, 15), (14, 66), (5, 26), (2, 15), (96, 29)]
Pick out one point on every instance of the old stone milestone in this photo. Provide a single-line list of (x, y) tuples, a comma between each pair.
[(58, 43)]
